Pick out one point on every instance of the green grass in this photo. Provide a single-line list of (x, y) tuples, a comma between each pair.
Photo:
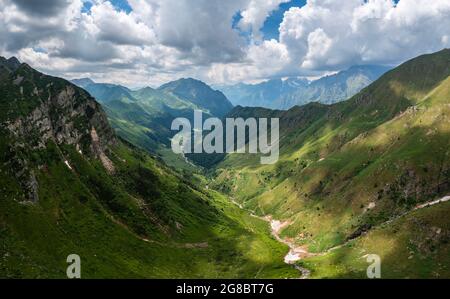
[(386, 148), (414, 246), (97, 216)]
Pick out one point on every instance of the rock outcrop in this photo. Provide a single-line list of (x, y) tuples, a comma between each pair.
[(38, 109)]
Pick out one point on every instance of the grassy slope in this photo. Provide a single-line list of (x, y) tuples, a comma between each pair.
[(105, 220), (414, 246), (338, 161), (144, 220), (145, 121), (144, 117)]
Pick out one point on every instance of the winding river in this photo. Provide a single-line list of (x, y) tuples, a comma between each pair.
[(295, 253)]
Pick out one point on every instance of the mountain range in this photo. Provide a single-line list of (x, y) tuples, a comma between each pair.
[(144, 116), (370, 175), (366, 176), (284, 94), (69, 185)]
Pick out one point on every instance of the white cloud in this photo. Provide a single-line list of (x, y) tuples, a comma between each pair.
[(328, 34), (22, 28), (319, 45), (200, 30), (118, 27), (161, 40), (256, 13), (263, 60)]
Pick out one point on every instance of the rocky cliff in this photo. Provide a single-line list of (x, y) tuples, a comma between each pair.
[(38, 110)]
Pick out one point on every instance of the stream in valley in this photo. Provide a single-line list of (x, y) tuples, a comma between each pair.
[(295, 253)]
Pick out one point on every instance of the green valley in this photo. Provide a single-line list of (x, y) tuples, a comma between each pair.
[(354, 178), (348, 168), (224, 148), (69, 186), (144, 117)]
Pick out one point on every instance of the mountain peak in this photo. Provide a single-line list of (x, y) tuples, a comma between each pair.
[(147, 88), (190, 79), (199, 93), (185, 82), (12, 63), (13, 60), (82, 82)]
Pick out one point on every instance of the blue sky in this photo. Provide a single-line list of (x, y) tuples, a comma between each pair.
[(119, 4), (149, 42), (270, 29)]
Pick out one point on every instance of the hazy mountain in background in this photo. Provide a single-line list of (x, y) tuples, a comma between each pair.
[(83, 82), (264, 94), (285, 94)]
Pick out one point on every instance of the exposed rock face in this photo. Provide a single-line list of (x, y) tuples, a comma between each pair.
[(98, 149), (42, 109), (64, 119)]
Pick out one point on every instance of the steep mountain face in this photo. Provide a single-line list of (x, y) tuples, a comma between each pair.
[(285, 94), (200, 94), (353, 173), (37, 109), (144, 117), (69, 186)]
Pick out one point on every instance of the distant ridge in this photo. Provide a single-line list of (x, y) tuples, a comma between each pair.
[(285, 94), (144, 117), (200, 94), (83, 82)]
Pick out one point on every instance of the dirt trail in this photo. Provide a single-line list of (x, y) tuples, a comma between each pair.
[(432, 203), (297, 253), (419, 207)]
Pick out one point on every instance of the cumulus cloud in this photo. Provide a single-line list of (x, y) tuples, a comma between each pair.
[(328, 34), (118, 27), (256, 13), (22, 26), (43, 8), (263, 61), (160, 40), (201, 29)]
